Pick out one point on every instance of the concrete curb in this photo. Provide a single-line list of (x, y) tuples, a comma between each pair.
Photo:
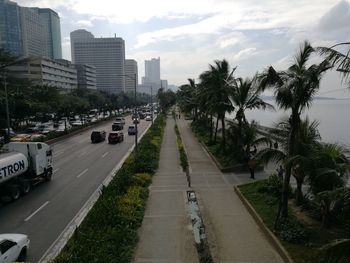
[(67, 233), (274, 241)]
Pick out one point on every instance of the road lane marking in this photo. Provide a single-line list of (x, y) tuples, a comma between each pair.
[(58, 153), (83, 172), (103, 156), (36, 211), (56, 170), (83, 153)]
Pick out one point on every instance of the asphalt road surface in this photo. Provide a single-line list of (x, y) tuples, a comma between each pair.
[(79, 168)]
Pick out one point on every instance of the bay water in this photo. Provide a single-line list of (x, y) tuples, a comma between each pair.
[(333, 116)]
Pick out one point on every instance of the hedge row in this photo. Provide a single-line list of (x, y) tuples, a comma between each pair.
[(109, 231), (183, 156)]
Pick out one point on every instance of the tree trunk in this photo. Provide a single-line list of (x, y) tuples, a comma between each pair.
[(211, 127), (299, 193), (291, 145), (216, 128), (223, 132)]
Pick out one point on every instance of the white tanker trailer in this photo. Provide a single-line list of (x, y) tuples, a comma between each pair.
[(23, 164)]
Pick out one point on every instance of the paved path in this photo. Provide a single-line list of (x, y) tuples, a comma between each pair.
[(233, 235), (165, 234)]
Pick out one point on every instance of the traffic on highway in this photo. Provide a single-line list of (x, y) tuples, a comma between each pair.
[(80, 164)]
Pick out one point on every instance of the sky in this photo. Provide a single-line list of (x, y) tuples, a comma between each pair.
[(188, 35)]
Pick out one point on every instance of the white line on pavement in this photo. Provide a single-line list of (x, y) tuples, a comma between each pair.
[(83, 153), (58, 153), (36, 211), (83, 172), (56, 170), (103, 156)]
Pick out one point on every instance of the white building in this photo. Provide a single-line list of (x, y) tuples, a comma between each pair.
[(152, 70), (43, 71), (131, 75), (107, 55)]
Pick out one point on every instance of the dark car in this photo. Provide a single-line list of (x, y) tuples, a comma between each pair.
[(98, 136), (142, 115), (132, 130), (117, 126), (115, 136)]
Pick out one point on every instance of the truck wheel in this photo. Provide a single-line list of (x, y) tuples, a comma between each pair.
[(14, 191), (22, 256), (25, 187), (48, 175)]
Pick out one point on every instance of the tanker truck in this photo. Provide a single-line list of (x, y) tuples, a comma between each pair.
[(23, 165)]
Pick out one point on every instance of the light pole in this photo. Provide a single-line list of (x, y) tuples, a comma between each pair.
[(7, 107), (136, 130)]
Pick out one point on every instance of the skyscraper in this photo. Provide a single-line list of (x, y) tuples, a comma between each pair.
[(131, 72), (152, 70), (52, 32), (10, 28), (28, 31), (106, 54)]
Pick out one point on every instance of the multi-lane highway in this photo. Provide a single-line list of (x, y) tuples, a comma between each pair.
[(80, 167)]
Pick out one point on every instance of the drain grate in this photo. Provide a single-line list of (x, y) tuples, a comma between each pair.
[(198, 228)]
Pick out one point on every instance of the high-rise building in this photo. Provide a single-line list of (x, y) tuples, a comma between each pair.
[(33, 33), (131, 75), (152, 71), (10, 28), (52, 32), (28, 31), (106, 54), (86, 76)]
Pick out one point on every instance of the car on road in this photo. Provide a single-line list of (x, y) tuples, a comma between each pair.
[(136, 120), (120, 119), (132, 130), (148, 118), (117, 126), (98, 136), (115, 137), (13, 247)]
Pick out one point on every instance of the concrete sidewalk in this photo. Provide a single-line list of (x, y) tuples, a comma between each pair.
[(165, 234), (233, 235)]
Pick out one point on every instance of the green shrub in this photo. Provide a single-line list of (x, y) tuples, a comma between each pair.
[(182, 152), (292, 231)]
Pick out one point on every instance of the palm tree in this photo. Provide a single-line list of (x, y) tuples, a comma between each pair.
[(337, 58), (337, 251), (295, 89), (301, 162), (187, 98), (217, 91), (247, 96)]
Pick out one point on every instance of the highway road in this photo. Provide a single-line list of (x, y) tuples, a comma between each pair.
[(79, 168)]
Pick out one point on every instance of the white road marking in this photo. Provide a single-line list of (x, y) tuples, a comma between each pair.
[(83, 153), (56, 170), (58, 153), (83, 172), (36, 211), (103, 156)]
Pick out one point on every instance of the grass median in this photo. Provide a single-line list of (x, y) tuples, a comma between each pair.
[(109, 231), (183, 155)]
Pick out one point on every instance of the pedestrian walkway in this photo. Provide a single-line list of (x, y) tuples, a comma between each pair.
[(165, 234), (232, 234)]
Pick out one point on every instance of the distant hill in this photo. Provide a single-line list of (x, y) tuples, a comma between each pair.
[(316, 98)]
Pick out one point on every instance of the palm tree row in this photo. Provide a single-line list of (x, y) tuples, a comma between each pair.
[(303, 156)]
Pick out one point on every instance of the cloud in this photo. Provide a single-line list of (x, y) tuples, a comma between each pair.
[(244, 53), (85, 23)]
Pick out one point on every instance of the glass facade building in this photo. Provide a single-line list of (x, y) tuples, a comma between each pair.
[(52, 32), (10, 28)]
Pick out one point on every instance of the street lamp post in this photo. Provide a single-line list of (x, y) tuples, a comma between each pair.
[(7, 106), (135, 114), (136, 130)]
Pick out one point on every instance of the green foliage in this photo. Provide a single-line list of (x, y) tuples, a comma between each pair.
[(183, 155), (292, 231), (272, 186), (109, 231)]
